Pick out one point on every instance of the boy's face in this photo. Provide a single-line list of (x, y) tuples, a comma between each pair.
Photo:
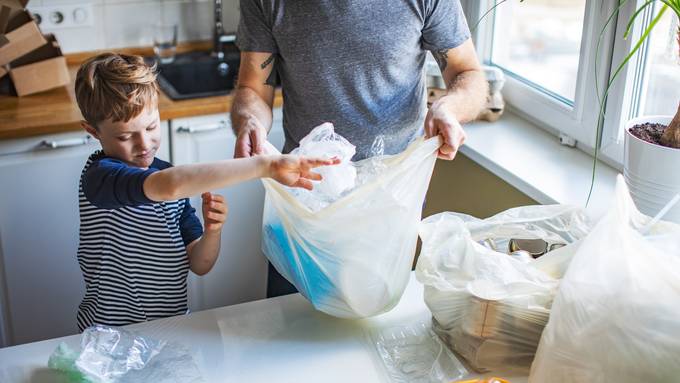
[(134, 142)]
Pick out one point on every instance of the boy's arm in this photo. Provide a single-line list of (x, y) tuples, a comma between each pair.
[(203, 252), (187, 180)]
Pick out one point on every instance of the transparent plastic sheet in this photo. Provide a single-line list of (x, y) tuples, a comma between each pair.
[(109, 355), (353, 257), (615, 318), (414, 354), (488, 306)]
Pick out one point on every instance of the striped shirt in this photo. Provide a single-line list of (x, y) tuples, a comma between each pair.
[(132, 250)]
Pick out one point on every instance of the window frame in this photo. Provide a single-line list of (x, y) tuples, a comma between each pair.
[(626, 92), (580, 119)]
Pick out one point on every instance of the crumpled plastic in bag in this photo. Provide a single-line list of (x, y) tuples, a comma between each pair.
[(114, 355), (615, 317), (323, 142), (352, 257), (338, 180), (488, 306)]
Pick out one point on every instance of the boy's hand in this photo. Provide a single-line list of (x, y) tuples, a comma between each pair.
[(214, 211), (296, 171)]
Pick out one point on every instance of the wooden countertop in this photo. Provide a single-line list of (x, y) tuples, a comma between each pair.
[(56, 111)]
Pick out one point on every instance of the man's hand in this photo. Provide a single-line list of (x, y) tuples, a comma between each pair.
[(441, 121), (296, 171), (250, 139), (214, 212)]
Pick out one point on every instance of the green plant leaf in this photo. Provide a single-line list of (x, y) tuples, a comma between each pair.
[(631, 21)]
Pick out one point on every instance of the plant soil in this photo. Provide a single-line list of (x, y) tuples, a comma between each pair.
[(650, 132)]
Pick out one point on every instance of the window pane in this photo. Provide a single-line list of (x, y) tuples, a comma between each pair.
[(662, 70), (539, 41)]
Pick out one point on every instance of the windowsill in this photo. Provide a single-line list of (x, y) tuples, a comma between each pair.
[(533, 161)]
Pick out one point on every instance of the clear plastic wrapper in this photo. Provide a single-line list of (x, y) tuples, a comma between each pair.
[(615, 317), (491, 307), (323, 142), (114, 355), (352, 257), (338, 180), (414, 354)]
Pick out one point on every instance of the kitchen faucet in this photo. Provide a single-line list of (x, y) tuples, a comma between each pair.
[(219, 37)]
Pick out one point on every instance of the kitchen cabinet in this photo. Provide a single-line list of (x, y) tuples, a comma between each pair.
[(240, 272), (40, 281)]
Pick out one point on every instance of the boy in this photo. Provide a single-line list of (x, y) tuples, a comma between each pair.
[(139, 235)]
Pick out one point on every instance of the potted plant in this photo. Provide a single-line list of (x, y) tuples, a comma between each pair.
[(651, 143)]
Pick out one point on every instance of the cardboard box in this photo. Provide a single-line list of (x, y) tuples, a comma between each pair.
[(43, 69), (9, 9), (22, 35)]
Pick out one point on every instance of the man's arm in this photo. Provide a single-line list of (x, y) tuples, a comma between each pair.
[(251, 111), (466, 96)]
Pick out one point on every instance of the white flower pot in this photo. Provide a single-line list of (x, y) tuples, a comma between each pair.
[(651, 171)]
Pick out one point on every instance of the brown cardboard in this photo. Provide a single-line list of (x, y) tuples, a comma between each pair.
[(42, 69), (40, 76), (9, 9), (4, 17), (23, 36)]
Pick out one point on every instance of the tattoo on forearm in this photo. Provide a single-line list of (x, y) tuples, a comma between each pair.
[(442, 58), (266, 62)]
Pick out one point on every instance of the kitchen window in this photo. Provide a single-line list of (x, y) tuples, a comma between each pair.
[(538, 42), (549, 50)]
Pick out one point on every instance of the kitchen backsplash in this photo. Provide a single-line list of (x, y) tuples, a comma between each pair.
[(104, 24)]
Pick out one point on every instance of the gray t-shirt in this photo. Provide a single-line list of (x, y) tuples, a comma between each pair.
[(355, 63)]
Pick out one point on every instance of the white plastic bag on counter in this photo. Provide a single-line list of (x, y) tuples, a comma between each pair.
[(353, 257), (616, 317), (488, 306)]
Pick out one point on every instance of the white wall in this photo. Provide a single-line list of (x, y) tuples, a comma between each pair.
[(126, 23)]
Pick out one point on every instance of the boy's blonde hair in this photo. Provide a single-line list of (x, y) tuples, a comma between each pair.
[(115, 86)]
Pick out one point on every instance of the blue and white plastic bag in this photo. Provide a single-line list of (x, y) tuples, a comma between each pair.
[(351, 256)]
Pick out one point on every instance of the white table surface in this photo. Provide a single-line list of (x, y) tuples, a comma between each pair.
[(280, 339)]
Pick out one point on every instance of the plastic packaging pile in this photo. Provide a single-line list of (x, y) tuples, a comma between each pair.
[(348, 247), (489, 306), (615, 318), (112, 355)]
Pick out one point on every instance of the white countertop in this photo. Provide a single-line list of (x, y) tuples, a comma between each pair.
[(279, 339)]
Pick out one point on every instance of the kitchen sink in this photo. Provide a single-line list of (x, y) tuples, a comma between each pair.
[(199, 74)]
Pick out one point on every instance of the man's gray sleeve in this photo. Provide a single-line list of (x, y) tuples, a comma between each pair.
[(445, 25), (254, 31)]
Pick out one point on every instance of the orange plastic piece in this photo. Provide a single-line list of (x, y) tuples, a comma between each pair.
[(485, 380)]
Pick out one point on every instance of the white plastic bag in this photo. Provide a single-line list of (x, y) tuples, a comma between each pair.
[(353, 257), (616, 317), (487, 305)]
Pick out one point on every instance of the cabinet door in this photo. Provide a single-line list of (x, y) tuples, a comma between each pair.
[(39, 237), (39, 224), (240, 272)]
